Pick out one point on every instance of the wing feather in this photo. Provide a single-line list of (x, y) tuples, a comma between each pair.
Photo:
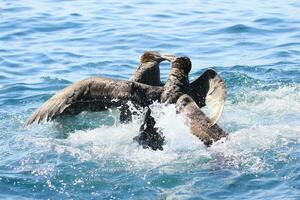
[(94, 94), (209, 89), (198, 123)]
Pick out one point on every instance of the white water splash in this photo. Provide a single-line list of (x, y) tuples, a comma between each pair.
[(257, 127)]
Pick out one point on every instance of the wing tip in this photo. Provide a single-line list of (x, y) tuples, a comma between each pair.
[(216, 116), (29, 122), (216, 95)]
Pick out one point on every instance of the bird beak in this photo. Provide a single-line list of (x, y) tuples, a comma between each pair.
[(168, 57)]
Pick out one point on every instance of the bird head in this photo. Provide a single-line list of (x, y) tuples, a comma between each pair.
[(153, 56)]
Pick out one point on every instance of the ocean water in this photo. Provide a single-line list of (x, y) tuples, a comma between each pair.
[(47, 45)]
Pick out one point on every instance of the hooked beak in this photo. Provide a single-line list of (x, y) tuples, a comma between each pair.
[(168, 57)]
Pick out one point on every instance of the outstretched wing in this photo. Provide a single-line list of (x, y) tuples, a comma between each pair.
[(209, 89), (94, 94), (198, 123)]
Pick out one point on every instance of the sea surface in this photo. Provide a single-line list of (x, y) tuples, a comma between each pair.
[(49, 44)]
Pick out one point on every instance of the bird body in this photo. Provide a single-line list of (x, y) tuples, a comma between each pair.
[(97, 94)]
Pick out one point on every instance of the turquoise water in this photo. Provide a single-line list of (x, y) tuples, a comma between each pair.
[(47, 45)]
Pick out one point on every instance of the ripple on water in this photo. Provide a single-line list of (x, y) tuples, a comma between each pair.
[(241, 28)]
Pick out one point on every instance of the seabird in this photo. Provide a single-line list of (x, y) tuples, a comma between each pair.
[(207, 90), (148, 71), (177, 91), (97, 94)]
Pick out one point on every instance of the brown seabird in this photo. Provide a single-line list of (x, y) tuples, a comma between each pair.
[(177, 90), (97, 94)]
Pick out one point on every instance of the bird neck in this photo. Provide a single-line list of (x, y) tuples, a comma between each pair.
[(177, 76), (149, 64)]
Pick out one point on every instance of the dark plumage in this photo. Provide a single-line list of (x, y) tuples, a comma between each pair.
[(178, 80), (148, 72), (95, 94), (150, 136), (198, 123), (177, 90), (209, 89)]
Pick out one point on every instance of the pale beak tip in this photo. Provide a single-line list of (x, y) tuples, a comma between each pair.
[(169, 57)]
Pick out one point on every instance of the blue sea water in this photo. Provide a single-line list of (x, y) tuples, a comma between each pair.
[(47, 45)]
